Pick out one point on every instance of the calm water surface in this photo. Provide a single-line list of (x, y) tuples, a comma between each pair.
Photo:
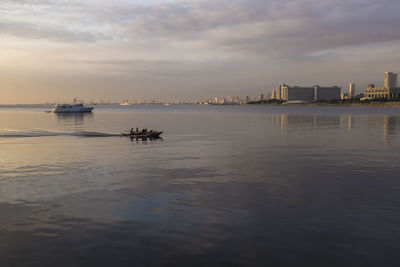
[(226, 186)]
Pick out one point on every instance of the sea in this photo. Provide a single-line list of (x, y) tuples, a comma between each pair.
[(224, 186)]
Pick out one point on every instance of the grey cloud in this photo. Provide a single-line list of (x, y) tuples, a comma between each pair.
[(43, 19), (300, 26), (267, 28), (32, 31), (154, 68)]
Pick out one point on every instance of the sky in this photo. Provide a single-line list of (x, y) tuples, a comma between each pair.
[(55, 50)]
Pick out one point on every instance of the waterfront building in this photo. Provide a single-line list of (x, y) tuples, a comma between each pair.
[(310, 94), (326, 93), (247, 99), (390, 80), (297, 93), (261, 98), (283, 93), (390, 90), (382, 93), (278, 94), (352, 90), (273, 94)]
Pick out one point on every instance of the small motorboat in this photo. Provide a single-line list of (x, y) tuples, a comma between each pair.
[(149, 134)]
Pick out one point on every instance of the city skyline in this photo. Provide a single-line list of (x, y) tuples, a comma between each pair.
[(281, 93), (54, 51)]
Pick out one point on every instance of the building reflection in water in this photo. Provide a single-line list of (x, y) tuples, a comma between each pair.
[(388, 128), (346, 122), (279, 121), (349, 123), (305, 122), (283, 123), (386, 122)]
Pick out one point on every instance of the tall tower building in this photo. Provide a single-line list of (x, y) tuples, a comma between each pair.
[(352, 90), (273, 94), (278, 93), (390, 79), (284, 92)]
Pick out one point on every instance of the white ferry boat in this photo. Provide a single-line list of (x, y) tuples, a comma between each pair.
[(74, 108)]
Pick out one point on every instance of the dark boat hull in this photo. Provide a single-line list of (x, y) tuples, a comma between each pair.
[(150, 135)]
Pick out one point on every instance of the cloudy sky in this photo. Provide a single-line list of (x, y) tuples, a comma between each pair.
[(55, 50)]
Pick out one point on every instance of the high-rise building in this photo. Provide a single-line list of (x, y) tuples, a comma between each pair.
[(297, 93), (326, 93), (273, 94), (278, 93), (389, 91), (310, 94), (390, 80), (261, 97), (352, 90)]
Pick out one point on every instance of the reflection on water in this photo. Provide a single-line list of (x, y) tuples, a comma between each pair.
[(76, 119), (389, 127), (228, 186), (306, 122), (349, 123), (324, 122), (145, 139)]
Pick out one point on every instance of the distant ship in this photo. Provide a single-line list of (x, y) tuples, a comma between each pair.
[(72, 108), (124, 103)]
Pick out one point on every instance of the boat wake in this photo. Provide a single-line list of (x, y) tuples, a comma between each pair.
[(26, 134)]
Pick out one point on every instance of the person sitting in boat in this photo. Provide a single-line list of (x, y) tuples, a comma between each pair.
[(144, 131), (132, 131), (137, 131)]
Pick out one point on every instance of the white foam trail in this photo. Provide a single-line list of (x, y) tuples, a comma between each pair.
[(25, 134)]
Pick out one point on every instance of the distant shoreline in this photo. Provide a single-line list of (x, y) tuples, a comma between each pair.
[(373, 104), (390, 104)]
